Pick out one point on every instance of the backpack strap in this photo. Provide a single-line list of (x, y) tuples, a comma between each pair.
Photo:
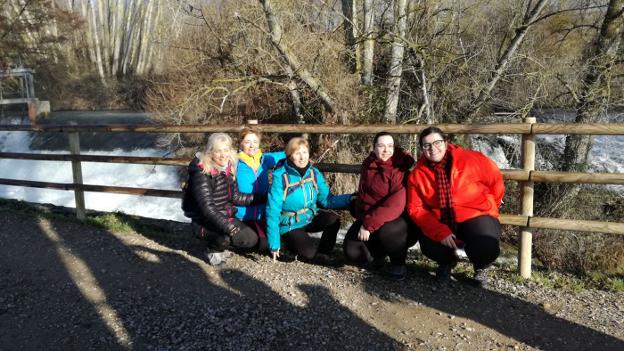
[(288, 186)]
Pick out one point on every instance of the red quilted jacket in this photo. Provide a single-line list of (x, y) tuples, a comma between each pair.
[(381, 192), (476, 186)]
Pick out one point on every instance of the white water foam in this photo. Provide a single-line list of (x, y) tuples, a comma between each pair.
[(96, 173)]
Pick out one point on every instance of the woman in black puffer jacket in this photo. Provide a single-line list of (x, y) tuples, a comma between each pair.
[(211, 196)]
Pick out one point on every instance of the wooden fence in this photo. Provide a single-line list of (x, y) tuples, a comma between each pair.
[(527, 176)]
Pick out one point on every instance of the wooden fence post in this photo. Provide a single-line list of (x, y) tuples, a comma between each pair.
[(526, 236), (74, 149)]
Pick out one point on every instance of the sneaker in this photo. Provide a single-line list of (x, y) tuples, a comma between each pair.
[(396, 271), (481, 277), (443, 272), (215, 258)]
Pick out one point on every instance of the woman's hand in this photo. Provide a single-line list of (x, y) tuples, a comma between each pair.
[(449, 242), (363, 234), (275, 254)]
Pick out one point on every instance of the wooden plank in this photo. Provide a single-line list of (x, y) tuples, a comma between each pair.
[(508, 128), (584, 129), (582, 178), (94, 188), (576, 225), (515, 174), (516, 220), (178, 161), (74, 149)]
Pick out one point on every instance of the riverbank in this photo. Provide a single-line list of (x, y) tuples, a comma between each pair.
[(67, 285)]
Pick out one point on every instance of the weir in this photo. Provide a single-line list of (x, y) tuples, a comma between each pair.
[(17, 87)]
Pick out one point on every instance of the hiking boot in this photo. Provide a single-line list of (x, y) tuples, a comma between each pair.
[(215, 258), (396, 271), (443, 272), (481, 277), (374, 264)]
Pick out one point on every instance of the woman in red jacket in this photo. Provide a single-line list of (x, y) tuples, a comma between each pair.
[(382, 228), (453, 195)]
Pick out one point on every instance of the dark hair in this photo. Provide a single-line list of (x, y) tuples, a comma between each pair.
[(431, 130), (379, 135)]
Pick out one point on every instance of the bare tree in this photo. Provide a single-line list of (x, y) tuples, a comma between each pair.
[(531, 15), (350, 24), (275, 31), (369, 41), (594, 97), (396, 61)]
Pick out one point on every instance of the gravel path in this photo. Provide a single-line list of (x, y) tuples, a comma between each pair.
[(69, 286)]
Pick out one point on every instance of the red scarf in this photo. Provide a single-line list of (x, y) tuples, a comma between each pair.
[(442, 172)]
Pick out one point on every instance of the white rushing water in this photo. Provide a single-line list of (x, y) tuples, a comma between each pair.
[(96, 173)]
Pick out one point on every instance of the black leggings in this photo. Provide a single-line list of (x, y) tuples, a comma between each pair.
[(246, 238), (302, 244), (392, 239), (481, 237)]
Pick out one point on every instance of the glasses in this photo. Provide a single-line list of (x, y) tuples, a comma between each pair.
[(429, 146)]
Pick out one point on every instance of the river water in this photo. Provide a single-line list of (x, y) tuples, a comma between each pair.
[(607, 156)]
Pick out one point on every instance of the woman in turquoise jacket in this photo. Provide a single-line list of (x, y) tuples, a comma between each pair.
[(252, 176), (292, 212)]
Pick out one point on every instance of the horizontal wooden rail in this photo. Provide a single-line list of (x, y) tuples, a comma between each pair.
[(583, 178), (509, 128), (94, 188), (181, 161), (573, 128), (576, 225), (507, 219), (508, 174), (497, 128)]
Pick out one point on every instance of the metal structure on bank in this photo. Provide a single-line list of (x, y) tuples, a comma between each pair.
[(527, 176), (17, 86)]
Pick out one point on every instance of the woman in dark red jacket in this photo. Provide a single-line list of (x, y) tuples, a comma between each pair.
[(453, 196), (381, 228)]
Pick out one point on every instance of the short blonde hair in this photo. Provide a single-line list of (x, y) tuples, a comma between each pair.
[(294, 144), (214, 140)]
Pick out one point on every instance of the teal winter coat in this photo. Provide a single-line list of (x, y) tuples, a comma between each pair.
[(256, 182), (295, 207)]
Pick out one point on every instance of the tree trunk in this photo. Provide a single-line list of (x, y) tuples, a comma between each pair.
[(369, 43), (350, 24), (130, 20), (396, 62), (96, 41), (102, 27), (116, 36), (275, 32), (503, 61), (146, 30), (594, 97)]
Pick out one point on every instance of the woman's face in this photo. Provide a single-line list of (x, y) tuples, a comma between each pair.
[(434, 147), (220, 154), (300, 157), (250, 144), (384, 148)]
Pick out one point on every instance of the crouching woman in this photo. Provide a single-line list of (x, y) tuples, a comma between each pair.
[(211, 197), (292, 212), (453, 195)]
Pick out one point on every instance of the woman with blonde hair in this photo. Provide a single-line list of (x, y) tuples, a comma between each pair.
[(211, 197), (292, 211)]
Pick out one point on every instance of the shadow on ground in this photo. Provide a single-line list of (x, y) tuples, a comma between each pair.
[(68, 286)]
